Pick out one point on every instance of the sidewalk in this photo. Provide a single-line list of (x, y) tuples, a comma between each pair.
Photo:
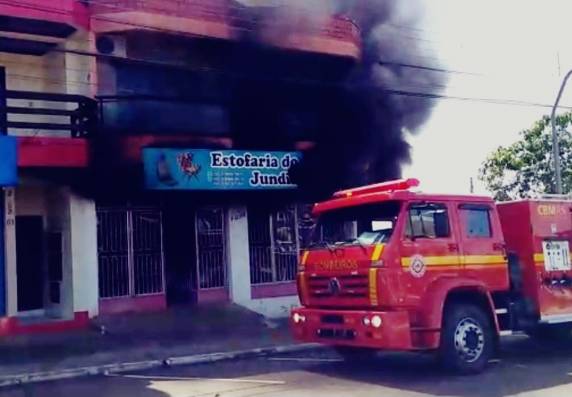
[(140, 337)]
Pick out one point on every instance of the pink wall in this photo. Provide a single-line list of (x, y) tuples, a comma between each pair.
[(69, 12), (138, 304), (53, 152)]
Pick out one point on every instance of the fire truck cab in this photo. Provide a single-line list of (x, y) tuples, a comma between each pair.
[(394, 269)]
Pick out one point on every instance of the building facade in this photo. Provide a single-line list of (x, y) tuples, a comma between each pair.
[(48, 267), (94, 86)]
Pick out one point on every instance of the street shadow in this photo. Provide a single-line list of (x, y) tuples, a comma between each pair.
[(88, 387), (523, 365)]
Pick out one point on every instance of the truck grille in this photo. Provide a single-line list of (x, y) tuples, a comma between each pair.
[(350, 286)]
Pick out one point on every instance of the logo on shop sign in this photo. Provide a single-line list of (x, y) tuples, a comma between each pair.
[(418, 268)]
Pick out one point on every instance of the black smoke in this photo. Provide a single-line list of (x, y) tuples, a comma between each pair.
[(360, 126)]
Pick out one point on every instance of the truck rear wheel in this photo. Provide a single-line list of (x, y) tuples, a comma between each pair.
[(467, 340)]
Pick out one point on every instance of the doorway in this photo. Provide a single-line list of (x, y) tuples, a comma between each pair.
[(30, 269), (180, 256)]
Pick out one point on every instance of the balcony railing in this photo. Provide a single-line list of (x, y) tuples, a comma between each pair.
[(47, 114)]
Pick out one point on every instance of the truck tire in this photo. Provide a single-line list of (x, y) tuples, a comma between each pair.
[(353, 354), (467, 339)]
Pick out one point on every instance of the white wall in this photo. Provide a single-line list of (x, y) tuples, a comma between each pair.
[(10, 251), (238, 255), (274, 307), (54, 72), (239, 270), (57, 220), (84, 255)]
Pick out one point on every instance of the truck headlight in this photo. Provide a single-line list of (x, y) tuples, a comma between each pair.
[(376, 321), (298, 318)]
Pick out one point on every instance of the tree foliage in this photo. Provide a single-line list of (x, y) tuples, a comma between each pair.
[(525, 168)]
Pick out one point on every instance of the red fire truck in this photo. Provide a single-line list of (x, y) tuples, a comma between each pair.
[(390, 268)]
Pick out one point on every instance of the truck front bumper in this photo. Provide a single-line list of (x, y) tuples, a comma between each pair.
[(353, 328)]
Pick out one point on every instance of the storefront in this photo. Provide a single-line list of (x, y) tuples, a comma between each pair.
[(215, 226), (46, 277), (8, 177)]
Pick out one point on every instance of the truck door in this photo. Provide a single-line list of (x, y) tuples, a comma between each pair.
[(429, 247), (482, 246)]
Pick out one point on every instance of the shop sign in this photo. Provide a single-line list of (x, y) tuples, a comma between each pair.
[(203, 169), (8, 162)]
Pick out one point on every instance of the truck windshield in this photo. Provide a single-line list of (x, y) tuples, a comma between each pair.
[(360, 225)]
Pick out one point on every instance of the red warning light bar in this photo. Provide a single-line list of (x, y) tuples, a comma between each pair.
[(401, 184)]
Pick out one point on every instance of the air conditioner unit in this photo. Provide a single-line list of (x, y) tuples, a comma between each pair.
[(112, 45)]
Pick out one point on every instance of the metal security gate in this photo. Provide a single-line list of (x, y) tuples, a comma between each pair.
[(130, 252), (285, 245), (273, 245), (211, 250)]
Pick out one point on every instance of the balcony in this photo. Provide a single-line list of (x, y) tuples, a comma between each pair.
[(340, 37), (206, 18), (45, 114), (34, 27), (218, 19), (45, 123)]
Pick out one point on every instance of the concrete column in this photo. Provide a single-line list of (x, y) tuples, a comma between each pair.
[(238, 255), (11, 280), (56, 214), (84, 255)]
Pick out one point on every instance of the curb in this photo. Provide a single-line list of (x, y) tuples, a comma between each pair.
[(117, 368)]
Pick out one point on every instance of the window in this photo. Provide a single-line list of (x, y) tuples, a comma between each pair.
[(428, 221), (477, 222), (306, 225), (365, 225), (273, 244)]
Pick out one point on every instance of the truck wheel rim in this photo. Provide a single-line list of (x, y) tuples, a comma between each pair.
[(469, 340)]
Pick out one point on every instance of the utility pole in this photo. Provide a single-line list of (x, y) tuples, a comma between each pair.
[(472, 186), (555, 138)]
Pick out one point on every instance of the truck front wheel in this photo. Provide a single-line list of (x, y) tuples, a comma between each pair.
[(467, 340)]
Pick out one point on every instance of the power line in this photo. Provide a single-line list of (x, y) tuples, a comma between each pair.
[(427, 68), (393, 92), (492, 101), (232, 17), (398, 92), (153, 28)]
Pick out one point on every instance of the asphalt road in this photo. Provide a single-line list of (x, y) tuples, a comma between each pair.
[(524, 368)]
